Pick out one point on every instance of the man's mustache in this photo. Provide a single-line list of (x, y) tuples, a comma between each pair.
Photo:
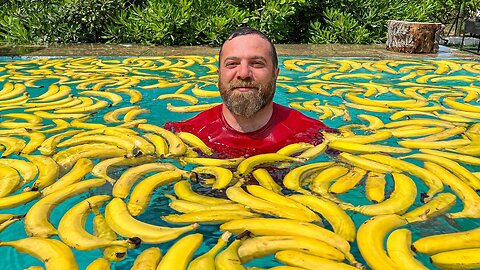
[(241, 84)]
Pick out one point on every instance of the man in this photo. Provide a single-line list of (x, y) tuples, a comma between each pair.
[(248, 122)]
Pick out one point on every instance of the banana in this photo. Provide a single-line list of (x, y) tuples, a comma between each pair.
[(374, 122), (101, 168), (414, 131), (195, 142), (247, 165), (10, 180), (361, 140), (294, 148), (184, 97), (49, 146), (62, 91), (436, 144), (7, 220), (348, 181), (207, 260), (175, 145), (306, 261), (365, 164), (457, 259), (161, 145), (450, 241), (470, 199), (12, 145), (99, 264), (120, 220), (437, 206), (120, 142), (184, 191), (81, 124), (35, 140), (420, 122), (71, 228), (375, 187), (48, 170), (27, 170), (36, 220), (402, 197), (143, 191), (148, 259), (353, 147), (209, 217), (433, 183), (47, 115), (451, 102), (135, 95), (68, 157), (223, 176), (233, 162), (371, 236), (453, 156), (114, 98), (102, 230), (275, 198), (280, 226), (18, 199), (53, 253), (184, 206), (443, 134), (399, 251), (262, 246), (122, 187), (229, 259), (237, 194), (314, 152), (322, 180), (294, 179), (112, 116), (264, 178), (452, 166), (81, 168), (132, 114)]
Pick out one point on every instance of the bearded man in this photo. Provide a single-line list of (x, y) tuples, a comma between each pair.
[(248, 122)]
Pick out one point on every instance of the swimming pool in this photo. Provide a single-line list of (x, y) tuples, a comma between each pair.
[(378, 103)]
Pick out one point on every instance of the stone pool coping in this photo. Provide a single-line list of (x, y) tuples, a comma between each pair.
[(315, 50)]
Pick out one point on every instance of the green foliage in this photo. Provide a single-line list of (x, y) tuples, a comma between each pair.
[(208, 22)]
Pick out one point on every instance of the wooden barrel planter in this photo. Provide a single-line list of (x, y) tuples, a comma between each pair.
[(413, 37)]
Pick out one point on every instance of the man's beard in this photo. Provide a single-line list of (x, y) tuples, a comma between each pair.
[(248, 103)]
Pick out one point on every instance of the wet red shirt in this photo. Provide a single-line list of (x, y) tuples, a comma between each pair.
[(286, 126)]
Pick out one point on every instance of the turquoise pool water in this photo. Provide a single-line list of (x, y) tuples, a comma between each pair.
[(302, 81)]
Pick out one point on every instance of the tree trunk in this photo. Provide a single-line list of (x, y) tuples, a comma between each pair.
[(413, 37)]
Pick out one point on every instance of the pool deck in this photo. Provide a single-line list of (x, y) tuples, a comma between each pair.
[(316, 50)]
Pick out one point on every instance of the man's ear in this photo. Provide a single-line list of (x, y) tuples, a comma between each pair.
[(277, 71)]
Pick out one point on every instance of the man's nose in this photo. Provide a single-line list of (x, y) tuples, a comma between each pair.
[(244, 71)]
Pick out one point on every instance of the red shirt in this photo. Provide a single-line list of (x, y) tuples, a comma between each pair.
[(286, 126)]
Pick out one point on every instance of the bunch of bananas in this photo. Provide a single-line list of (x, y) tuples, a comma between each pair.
[(79, 133)]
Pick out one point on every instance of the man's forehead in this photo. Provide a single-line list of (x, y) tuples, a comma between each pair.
[(240, 44)]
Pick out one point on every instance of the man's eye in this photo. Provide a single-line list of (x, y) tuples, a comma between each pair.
[(230, 64), (258, 64)]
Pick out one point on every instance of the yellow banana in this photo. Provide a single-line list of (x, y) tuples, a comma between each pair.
[(175, 145), (280, 226), (398, 248), (294, 179), (27, 170), (301, 260), (375, 187), (348, 181), (120, 220), (195, 142), (148, 259), (434, 244), (143, 191), (264, 178), (48, 170), (206, 261), (18, 199), (10, 180), (438, 205), (470, 199), (223, 176), (12, 145), (342, 223), (99, 264), (49, 146), (184, 191), (112, 116), (37, 222), (247, 165), (457, 259), (81, 168), (121, 188), (402, 197), (262, 246), (209, 217), (53, 253), (180, 254), (365, 164), (114, 98), (371, 236)]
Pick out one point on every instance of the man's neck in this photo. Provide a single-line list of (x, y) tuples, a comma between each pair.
[(243, 124)]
